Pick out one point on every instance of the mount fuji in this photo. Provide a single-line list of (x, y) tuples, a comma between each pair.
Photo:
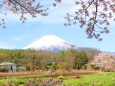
[(50, 43)]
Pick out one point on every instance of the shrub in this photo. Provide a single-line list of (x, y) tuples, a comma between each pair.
[(53, 67), (27, 68), (84, 67), (4, 69), (60, 78), (95, 67)]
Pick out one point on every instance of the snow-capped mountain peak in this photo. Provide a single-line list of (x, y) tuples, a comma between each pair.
[(49, 43)]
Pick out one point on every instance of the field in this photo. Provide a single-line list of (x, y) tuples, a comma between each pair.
[(104, 79), (76, 78)]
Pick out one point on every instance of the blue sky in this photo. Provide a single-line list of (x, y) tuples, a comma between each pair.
[(18, 35)]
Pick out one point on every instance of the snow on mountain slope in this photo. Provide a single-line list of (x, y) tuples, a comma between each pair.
[(49, 43)]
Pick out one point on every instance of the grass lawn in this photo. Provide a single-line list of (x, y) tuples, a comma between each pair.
[(105, 79)]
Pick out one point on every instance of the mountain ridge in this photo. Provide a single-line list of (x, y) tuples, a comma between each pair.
[(50, 43)]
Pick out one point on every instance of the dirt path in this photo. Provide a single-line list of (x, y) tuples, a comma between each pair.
[(55, 74)]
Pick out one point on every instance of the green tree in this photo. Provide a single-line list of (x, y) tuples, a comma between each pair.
[(80, 60)]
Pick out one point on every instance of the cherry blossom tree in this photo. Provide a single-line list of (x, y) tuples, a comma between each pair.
[(22, 7), (93, 15), (104, 62)]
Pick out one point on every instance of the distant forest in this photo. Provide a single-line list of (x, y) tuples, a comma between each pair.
[(40, 60)]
